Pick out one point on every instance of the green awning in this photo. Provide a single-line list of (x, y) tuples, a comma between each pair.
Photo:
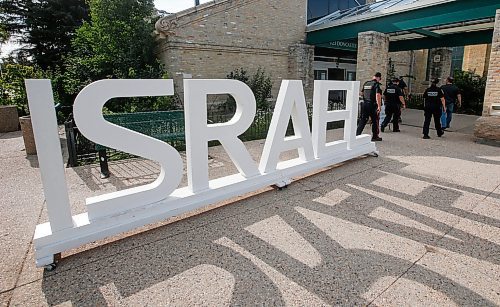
[(408, 16)]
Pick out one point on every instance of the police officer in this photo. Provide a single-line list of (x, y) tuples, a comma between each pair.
[(372, 101), (393, 100), (451, 96), (433, 105)]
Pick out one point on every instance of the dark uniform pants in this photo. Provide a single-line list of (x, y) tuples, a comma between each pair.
[(369, 110), (428, 113), (392, 111)]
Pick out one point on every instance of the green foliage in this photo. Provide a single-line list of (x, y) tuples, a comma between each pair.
[(45, 26), (117, 42), (12, 16), (472, 87), (239, 74), (51, 25), (260, 83), (13, 91), (261, 86), (4, 35)]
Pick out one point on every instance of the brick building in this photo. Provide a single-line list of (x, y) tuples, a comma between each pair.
[(213, 39)]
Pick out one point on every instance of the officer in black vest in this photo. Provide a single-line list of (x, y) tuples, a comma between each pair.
[(393, 100), (433, 105), (372, 101)]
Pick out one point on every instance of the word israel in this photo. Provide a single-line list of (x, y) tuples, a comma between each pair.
[(124, 210)]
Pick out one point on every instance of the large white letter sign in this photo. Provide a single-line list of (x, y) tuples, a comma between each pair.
[(321, 116), (87, 112), (291, 102), (198, 133), (121, 211)]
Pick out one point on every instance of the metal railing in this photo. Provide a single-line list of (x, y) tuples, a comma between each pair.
[(83, 151)]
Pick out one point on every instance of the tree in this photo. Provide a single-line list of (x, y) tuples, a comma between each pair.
[(117, 42), (12, 89), (51, 25), (12, 16), (45, 26)]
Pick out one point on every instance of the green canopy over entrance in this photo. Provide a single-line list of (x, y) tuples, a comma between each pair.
[(411, 24)]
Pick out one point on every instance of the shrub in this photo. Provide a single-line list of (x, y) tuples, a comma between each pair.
[(12, 88), (472, 88), (260, 83)]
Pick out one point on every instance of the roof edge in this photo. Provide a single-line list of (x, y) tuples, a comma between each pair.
[(166, 23), (373, 15)]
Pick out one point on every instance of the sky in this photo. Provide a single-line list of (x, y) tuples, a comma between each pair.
[(170, 6), (174, 6)]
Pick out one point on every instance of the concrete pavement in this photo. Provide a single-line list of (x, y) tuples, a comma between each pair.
[(420, 225), (461, 123)]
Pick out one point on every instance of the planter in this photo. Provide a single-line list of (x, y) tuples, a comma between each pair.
[(28, 137), (9, 119)]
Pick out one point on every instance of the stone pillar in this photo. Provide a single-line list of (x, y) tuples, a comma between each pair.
[(373, 55), (300, 67), (440, 63), (476, 59), (488, 126)]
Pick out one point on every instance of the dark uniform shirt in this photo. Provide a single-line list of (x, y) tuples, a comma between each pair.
[(451, 93), (370, 90), (392, 94), (433, 97)]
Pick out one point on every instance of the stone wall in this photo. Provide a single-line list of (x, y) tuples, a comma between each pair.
[(492, 95), (488, 126), (213, 39), (439, 67), (401, 61), (440, 63), (373, 51), (300, 67), (420, 71), (476, 59)]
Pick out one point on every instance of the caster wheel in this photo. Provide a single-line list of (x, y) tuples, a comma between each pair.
[(50, 267)]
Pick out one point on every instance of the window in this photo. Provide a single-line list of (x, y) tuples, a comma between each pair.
[(320, 75), (457, 58)]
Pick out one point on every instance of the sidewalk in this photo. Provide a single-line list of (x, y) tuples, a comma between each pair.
[(419, 225), (460, 123)]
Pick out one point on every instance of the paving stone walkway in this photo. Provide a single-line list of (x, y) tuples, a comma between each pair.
[(419, 225)]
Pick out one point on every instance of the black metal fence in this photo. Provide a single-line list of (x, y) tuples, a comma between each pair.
[(415, 101), (83, 151)]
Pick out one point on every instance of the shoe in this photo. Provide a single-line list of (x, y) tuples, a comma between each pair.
[(440, 134), (382, 128), (376, 139), (426, 137), (397, 130)]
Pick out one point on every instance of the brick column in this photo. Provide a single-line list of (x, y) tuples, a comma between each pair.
[(300, 67), (373, 55), (488, 126)]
